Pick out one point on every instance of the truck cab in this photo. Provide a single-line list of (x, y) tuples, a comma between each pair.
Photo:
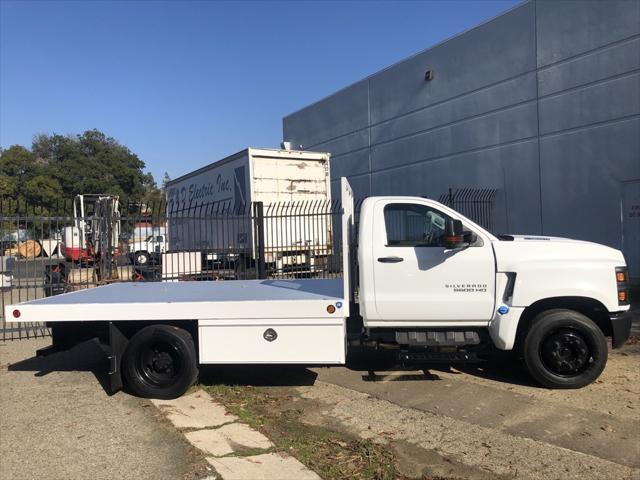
[(144, 251), (433, 281)]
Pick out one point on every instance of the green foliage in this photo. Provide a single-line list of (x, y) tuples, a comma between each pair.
[(57, 168), (42, 190), (165, 179), (18, 162), (17, 165), (8, 186)]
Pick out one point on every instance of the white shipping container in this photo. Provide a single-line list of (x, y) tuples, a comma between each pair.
[(196, 202)]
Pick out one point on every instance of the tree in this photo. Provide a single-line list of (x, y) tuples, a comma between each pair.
[(17, 162), (43, 191), (153, 196), (17, 166), (59, 167), (165, 180), (8, 186)]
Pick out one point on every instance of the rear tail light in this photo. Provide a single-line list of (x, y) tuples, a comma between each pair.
[(622, 281)]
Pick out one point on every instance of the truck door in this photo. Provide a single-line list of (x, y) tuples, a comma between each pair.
[(417, 279)]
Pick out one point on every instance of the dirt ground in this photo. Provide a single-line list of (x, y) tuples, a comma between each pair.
[(490, 421), (483, 422), (56, 422)]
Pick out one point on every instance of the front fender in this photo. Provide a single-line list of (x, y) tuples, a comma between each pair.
[(542, 280)]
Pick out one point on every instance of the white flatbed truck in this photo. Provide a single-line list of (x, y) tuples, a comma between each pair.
[(432, 284)]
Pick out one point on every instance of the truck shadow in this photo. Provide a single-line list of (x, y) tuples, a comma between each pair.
[(257, 375), (85, 357), (491, 370), (384, 368), (89, 357)]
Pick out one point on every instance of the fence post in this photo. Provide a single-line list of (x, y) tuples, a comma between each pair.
[(258, 218)]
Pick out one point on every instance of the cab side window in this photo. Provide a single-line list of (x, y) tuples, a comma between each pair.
[(412, 225)]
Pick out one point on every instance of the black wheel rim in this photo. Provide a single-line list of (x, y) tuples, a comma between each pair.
[(159, 364), (566, 352)]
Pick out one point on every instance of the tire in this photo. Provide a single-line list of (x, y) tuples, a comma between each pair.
[(160, 362), (140, 258), (565, 349)]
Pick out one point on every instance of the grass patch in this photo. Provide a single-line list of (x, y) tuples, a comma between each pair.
[(331, 454)]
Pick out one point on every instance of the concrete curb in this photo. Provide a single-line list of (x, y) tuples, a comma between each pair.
[(235, 450)]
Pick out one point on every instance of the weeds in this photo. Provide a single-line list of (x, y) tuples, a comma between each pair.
[(331, 454)]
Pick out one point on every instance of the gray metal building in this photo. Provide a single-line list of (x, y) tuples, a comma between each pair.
[(542, 103)]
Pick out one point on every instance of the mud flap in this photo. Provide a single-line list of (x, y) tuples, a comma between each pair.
[(117, 345), (620, 328)]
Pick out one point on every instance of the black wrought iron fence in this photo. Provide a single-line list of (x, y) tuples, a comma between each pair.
[(69, 246), (58, 250), (474, 203)]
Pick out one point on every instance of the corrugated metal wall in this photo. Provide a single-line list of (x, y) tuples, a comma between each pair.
[(541, 103)]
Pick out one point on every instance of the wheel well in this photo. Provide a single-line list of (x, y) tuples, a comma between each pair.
[(73, 333), (129, 329), (589, 307)]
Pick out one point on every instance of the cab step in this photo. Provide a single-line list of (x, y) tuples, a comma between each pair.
[(438, 338)]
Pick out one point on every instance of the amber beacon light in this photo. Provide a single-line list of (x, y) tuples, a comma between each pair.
[(622, 277)]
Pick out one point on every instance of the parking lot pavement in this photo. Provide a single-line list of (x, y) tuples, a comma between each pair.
[(476, 422), (495, 418), (62, 425)]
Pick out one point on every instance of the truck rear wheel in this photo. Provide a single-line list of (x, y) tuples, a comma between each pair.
[(160, 362), (565, 349)]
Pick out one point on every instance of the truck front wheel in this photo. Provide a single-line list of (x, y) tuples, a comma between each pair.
[(565, 349), (160, 362), (140, 258)]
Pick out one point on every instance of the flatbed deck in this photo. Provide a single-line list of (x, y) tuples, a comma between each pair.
[(239, 299)]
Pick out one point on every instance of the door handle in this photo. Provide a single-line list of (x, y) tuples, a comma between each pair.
[(390, 259)]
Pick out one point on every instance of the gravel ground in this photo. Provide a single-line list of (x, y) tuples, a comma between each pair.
[(62, 425)]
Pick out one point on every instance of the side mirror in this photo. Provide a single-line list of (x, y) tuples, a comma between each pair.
[(470, 237), (453, 237)]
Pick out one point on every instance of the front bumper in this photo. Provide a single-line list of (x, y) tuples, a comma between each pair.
[(620, 327)]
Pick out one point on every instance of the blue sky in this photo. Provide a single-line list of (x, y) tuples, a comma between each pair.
[(183, 84)]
